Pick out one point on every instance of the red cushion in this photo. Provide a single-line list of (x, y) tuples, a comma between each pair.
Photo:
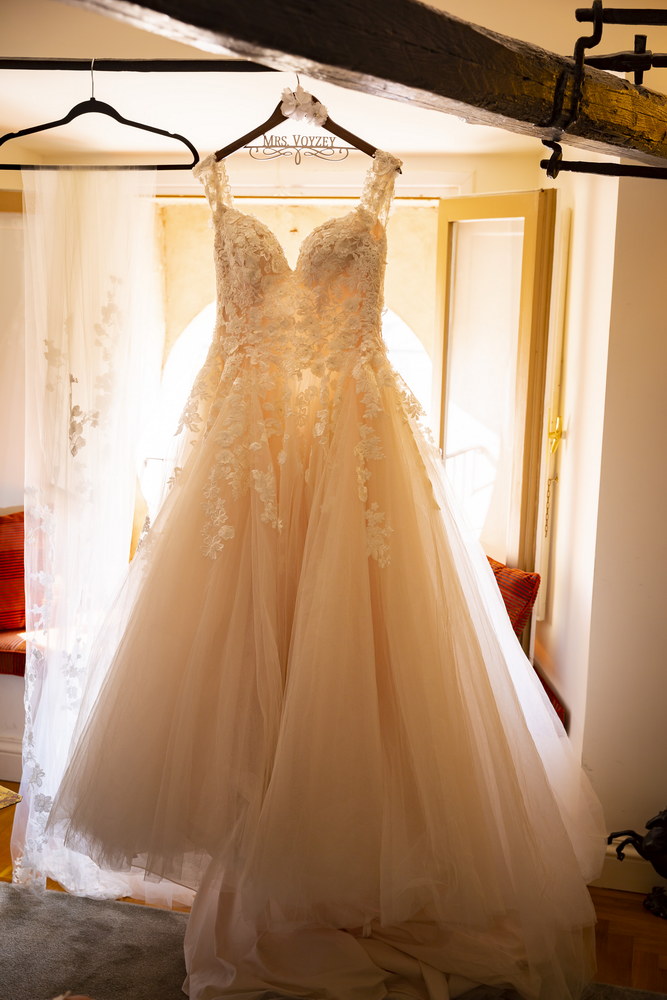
[(12, 595), (519, 591), (12, 653)]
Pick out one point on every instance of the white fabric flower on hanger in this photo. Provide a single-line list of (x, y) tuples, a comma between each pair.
[(302, 106)]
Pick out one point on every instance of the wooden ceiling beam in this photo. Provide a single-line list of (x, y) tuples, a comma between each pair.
[(406, 51)]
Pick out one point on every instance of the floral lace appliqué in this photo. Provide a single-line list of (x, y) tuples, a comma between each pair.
[(290, 347), (378, 530)]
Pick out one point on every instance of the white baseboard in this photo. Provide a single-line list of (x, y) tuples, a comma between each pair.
[(10, 758), (633, 874)]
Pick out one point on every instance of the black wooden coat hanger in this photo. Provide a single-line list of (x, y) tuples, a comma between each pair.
[(99, 107), (277, 117)]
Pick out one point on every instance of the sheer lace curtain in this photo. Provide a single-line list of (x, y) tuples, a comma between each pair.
[(93, 354)]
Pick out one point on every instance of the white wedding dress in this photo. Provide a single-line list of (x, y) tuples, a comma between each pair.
[(316, 708)]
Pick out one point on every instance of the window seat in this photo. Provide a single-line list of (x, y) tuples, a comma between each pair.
[(12, 594), (12, 653)]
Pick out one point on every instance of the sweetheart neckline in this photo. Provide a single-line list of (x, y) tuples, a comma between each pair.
[(209, 162), (302, 243)]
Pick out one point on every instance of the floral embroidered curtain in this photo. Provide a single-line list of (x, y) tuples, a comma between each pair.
[(93, 355)]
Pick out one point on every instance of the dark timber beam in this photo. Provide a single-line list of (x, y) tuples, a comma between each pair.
[(406, 51)]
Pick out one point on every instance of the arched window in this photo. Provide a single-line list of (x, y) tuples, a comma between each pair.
[(186, 357), (409, 357)]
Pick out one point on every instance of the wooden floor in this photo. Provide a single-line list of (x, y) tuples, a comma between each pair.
[(631, 943)]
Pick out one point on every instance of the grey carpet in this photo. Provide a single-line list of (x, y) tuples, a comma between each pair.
[(51, 942)]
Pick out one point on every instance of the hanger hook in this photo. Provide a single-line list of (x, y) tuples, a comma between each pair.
[(92, 79), (298, 82)]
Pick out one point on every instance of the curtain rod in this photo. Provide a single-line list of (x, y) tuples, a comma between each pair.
[(140, 65)]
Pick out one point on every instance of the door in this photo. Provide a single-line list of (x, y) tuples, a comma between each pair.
[(495, 257)]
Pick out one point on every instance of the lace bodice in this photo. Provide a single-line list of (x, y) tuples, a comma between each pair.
[(292, 337), (336, 287)]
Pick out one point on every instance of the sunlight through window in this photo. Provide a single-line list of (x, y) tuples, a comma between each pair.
[(406, 354)]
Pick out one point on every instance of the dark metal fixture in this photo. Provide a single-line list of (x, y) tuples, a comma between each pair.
[(638, 61), (652, 846), (139, 65)]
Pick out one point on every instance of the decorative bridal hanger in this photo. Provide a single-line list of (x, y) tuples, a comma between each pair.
[(298, 105), (101, 108)]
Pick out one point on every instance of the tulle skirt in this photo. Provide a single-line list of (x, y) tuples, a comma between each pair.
[(331, 729)]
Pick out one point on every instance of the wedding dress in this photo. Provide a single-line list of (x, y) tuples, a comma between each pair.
[(317, 710)]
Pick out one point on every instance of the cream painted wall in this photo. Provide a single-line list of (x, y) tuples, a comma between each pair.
[(189, 276), (625, 732), (562, 641), (47, 29), (410, 282), (602, 641), (491, 173)]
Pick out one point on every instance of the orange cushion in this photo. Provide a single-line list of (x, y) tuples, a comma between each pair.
[(12, 596), (519, 591)]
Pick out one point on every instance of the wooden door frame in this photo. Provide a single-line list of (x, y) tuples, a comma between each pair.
[(538, 211)]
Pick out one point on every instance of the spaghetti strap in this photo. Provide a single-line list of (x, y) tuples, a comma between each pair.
[(378, 189), (213, 175)]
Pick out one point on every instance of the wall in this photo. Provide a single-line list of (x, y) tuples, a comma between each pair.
[(587, 217), (187, 255), (602, 641), (498, 172), (625, 733)]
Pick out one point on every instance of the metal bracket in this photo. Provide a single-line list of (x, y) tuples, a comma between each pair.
[(580, 46), (639, 61), (555, 164)]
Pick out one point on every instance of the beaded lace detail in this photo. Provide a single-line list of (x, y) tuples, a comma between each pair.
[(289, 345)]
